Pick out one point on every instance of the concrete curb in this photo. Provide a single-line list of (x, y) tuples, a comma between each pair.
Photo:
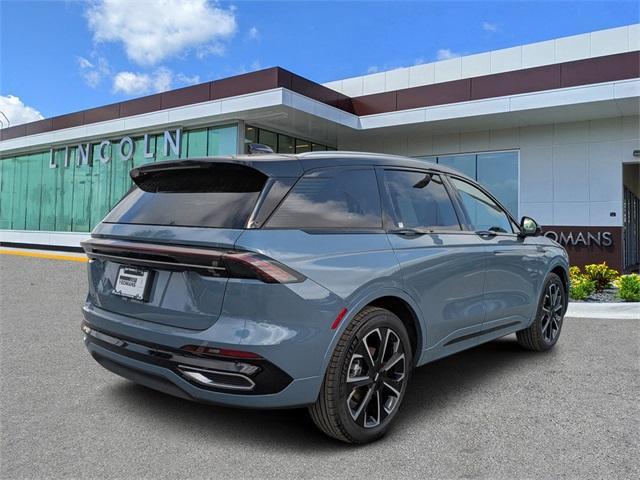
[(622, 310)]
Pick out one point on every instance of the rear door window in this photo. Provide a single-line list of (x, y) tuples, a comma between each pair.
[(332, 198), (420, 200), (213, 195)]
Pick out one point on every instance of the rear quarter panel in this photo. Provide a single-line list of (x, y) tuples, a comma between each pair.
[(343, 270)]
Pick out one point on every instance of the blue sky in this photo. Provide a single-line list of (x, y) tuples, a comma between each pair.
[(61, 56)]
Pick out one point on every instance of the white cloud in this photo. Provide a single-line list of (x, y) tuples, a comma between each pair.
[(446, 54), (373, 69), (16, 112), (211, 49), (131, 83), (255, 65), (93, 72), (182, 78), (254, 34), (489, 27), (161, 80), (152, 30)]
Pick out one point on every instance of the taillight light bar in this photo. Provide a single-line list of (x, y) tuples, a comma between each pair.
[(233, 264), (253, 265)]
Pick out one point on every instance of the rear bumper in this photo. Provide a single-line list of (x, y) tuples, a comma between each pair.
[(299, 392), (123, 346)]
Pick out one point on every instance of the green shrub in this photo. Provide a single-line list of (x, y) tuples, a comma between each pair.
[(581, 287), (601, 275), (574, 273), (629, 286)]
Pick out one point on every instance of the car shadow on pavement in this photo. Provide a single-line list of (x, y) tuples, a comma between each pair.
[(433, 387)]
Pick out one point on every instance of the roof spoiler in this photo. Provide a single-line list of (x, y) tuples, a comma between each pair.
[(269, 165)]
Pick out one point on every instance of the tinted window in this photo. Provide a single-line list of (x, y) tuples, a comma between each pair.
[(214, 196), (484, 213), (420, 200), (331, 199), (498, 173), (463, 163)]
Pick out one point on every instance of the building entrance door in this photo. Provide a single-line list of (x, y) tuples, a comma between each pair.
[(631, 216)]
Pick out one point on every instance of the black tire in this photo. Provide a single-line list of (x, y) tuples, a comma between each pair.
[(341, 395), (546, 327)]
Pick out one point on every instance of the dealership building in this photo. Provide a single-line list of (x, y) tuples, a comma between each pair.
[(551, 128)]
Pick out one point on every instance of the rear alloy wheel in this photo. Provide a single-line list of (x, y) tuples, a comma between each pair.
[(366, 378), (545, 329)]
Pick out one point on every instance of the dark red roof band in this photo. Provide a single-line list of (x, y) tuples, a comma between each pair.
[(608, 68)]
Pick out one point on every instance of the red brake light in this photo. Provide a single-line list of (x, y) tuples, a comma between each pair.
[(254, 265)]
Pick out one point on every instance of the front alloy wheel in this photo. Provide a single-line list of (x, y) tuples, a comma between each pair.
[(552, 306), (366, 378), (545, 329)]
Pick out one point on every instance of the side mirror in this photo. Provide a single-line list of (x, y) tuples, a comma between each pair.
[(529, 227)]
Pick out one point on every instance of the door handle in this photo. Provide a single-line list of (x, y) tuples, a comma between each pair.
[(486, 233)]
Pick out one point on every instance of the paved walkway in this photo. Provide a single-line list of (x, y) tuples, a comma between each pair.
[(626, 310)]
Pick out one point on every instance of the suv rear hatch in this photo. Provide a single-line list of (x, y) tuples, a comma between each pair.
[(165, 252)]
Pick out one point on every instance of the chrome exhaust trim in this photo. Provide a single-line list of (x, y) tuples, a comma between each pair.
[(203, 377)]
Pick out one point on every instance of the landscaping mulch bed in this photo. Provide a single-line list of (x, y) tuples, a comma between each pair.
[(608, 295)]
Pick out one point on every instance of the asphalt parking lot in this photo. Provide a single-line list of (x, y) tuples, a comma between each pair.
[(493, 412)]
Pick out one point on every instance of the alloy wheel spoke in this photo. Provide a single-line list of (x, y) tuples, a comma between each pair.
[(375, 420), (389, 364), (358, 382), (363, 404), (369, 345), (545, 325)]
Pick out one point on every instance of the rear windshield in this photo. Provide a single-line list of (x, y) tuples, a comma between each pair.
[(213, 195)]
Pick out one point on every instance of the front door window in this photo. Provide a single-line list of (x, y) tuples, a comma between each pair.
[(482, 211)]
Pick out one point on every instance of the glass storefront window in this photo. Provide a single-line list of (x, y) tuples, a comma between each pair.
[(286, 144), (498, 172), (223, 141), (281, 143), (74, 197), (302, 146), (463, 163), (270, 139), (251, 134)]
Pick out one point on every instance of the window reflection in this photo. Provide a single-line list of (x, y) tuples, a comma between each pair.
[(483, 212), (347, 199), (420, 200), (463, 163), (496, 171)]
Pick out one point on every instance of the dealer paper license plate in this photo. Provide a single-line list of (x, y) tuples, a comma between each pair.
[(133, 283)]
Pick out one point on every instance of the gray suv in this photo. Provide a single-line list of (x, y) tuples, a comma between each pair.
[(318, 280)]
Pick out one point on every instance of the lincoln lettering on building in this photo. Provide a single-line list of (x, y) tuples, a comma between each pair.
[(122, 150)]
